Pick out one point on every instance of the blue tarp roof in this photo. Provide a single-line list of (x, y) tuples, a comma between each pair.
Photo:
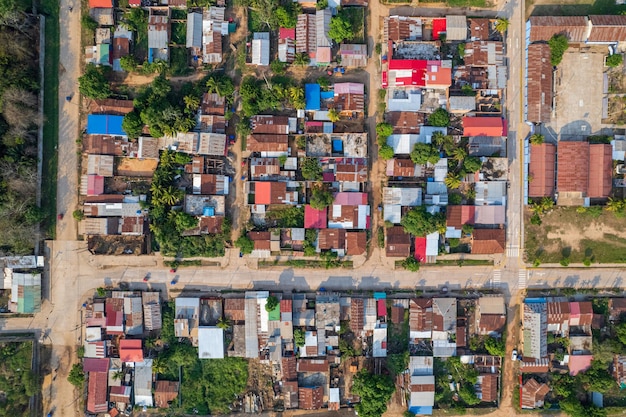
[(327, 95), (312, 96), (105, 124), (421, 410), (380, 295)]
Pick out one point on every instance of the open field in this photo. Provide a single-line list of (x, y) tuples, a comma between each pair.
[(571, 7), (51, 114), (566, 234)]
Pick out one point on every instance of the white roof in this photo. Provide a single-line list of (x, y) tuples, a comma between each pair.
[(492, 305), (489, 215), (187, 307), (261, 48), (407, 197), (380, 342), (421, 365), (210, 343), (143, 383), (422, 398), (402, 144), (456, 28), (93, 334), (392, 213), (490, 193), (432, 244), (333, 395), (441, 170), (404, 100)]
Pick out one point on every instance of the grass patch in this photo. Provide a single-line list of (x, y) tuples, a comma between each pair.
[(179, 14), (179, 33), (578, 8), (179, 62), (51, 114), (549, 242), (302, 263), (461, 262), (183, 263)]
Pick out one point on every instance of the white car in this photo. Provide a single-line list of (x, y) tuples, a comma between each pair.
[(514, 355)]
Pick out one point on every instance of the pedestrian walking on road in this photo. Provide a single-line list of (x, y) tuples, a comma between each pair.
[(71, 8)]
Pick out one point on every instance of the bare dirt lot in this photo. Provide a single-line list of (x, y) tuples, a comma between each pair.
[(567, 234)]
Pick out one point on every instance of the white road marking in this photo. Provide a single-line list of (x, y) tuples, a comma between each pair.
[(522, 279)]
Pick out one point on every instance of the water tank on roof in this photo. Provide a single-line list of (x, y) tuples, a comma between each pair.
[(208, 211)]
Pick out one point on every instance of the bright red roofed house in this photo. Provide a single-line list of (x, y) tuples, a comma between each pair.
[(315, 219), (102, 4), (439, 27), (420, 249), (131, 350), (350, 199), (285, 33), (484, 126), (382, 308)]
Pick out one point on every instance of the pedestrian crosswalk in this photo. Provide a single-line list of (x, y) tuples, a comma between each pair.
[(523, 274), (512, 251), (495, 280)]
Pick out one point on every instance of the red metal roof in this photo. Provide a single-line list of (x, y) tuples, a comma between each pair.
[(95, 365), (95, 184), (483, 126), (131, 350), (417, 68), (104, 4), (97, 392), (541, 170), (381, 308), (285, 33), (269, 192), (439, 27), (420, 249), (286, 306), (457, 216), (315, 219)]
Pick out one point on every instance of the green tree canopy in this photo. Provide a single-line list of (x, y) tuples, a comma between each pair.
[(340, 29), (495, 346), (558, 45), (93, 84), (472, 164), (132, 124), (375, 392), (245, 244), (76, 376), (311, 169), (536, 139), (384, 130), (271, 303), (321, 198), (385, 152), (439, 117), (419, 222), (423, 153)]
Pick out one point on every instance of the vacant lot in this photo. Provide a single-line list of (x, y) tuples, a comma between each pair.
[(598, 237), (17, 382)]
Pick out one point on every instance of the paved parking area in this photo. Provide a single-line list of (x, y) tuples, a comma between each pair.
[(579, 90)]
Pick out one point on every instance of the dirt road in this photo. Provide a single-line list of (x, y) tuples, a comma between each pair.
[(69, 71)]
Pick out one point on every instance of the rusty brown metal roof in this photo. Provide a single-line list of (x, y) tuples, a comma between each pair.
[(352, 172), (489, 387), (480, 28), (542, 28), (607, 28), (267, 143), (356, 315), (405, 122), (488, 241), (573, 163), (331, 239), (600, 170), (356, 243), (110, 106), (539, 96), (235, 309), (541, 170), (398, 242), (421, 314), (213, 103)]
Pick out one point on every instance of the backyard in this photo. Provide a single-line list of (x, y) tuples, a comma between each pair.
[(567, 234)]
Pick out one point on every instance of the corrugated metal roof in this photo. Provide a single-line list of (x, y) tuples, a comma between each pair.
[(539, 84), (542, 170), (542, 28)]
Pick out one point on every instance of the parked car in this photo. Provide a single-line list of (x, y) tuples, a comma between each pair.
[(514, 355)]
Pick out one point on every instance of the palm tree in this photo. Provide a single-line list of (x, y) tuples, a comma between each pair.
[(118, 375), (333, 115), (615, 205), (214, 86), (302, 59), (502, 24), (158, 365), (453, 181), (459, 154), (191, 103), (223, 323), (170, 195)]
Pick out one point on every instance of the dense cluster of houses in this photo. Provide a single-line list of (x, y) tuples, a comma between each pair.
[(557, 318), (301, 337), (278, 146), (420, 78), (117, 171), (119, 374)]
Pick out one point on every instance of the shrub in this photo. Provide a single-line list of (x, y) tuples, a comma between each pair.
[(78, 215), (76, 376), (271, 303), (614, 60), (245, 244), (564, 262), (411, 264)]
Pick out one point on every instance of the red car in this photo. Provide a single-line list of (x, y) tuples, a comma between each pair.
[(60, 216)]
